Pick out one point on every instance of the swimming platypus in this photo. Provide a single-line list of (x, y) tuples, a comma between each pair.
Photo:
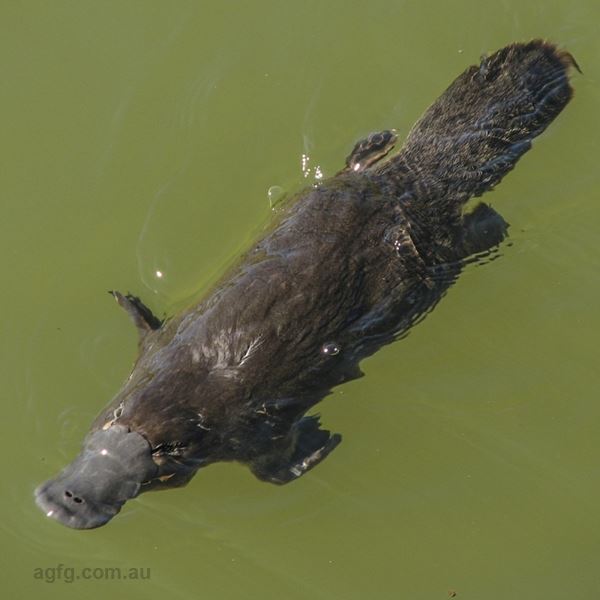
[(352, 263)]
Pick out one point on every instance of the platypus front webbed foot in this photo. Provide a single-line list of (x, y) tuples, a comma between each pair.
[(309, 446), (141, 315)]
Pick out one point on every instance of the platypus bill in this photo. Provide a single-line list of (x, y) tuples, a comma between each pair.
[(351, 265)]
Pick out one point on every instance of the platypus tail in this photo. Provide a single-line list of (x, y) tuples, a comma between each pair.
[(477, 130)]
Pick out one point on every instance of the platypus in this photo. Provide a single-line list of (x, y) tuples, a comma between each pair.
[(350, 265)]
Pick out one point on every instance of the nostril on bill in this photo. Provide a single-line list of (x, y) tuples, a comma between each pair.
[(72, 497)]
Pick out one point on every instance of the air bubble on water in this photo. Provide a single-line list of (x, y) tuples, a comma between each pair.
[(307, 170), (305, 167), (330, 349), (276, 194)]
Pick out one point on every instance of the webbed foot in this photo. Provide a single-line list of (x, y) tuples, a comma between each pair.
[(142, 316), (483, 229), (309, 446), (368, 151)]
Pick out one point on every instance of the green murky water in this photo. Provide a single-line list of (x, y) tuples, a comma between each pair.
[(144, 136)]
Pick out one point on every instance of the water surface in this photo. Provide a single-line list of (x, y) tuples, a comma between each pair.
[(139, 144)]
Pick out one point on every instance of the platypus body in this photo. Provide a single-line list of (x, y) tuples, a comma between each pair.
[(351, 265)]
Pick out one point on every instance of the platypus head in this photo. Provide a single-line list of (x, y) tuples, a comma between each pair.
[(109, 470)]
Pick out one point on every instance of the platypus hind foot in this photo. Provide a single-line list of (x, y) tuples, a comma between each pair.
[(483, 229)]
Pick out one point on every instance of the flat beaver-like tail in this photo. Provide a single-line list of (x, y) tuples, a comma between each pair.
[(477, 130)]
